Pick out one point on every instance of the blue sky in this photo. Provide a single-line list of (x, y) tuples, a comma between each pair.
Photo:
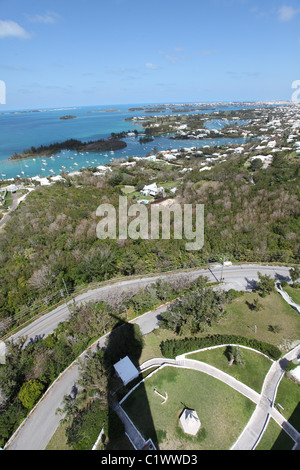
[(102, 52)]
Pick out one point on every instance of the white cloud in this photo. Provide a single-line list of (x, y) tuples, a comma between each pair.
[(173, 59), (208, 52), (287, 13), (48, 17), (149, 65), (12, 29)]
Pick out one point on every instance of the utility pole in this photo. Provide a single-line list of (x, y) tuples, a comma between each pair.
[(223, 261), (65, 287), (63, 296)]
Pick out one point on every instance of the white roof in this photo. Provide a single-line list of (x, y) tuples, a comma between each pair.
[(43, 181), (150, 187), (296, 373), (126, 370), (57, 178), (189, 421)]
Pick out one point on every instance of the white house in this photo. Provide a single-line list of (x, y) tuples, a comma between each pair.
[(152, 190)]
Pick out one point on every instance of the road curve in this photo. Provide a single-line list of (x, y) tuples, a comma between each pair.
[(38, 428), (253, 432), (238, 277)]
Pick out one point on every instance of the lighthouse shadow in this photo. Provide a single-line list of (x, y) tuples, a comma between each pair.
[(131, 416)]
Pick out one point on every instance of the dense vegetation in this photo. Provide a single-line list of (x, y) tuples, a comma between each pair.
[(51, 237), (70, 144), (30, 370)]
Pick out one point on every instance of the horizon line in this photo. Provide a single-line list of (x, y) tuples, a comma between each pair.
[(62, 107)]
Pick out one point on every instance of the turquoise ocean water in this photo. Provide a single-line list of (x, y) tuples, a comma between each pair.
[(21, 130)]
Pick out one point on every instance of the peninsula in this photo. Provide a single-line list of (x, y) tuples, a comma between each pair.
[(100, 145)]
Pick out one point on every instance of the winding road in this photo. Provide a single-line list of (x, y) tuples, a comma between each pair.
[(238, 277), (6, 217), (36, 431)]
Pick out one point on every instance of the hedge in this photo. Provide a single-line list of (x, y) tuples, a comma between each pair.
[(176, 347)]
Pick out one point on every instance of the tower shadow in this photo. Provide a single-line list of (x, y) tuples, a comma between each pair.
[(124, 347)]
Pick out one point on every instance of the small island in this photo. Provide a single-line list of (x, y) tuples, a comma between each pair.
[(64, 118), (100, 145)]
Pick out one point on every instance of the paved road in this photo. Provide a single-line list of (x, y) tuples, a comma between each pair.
[(37, 430), (240, 277)]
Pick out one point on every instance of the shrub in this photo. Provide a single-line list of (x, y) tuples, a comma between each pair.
[(86, 427), (173, 348), (30, 393)]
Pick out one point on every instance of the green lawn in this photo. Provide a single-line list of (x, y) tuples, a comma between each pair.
[(59, 440), (241, 320), (293, 293), (127, 189), (8, 200), (252, 373), (168, 184), (288, 396), (223, 412), (275, 438)]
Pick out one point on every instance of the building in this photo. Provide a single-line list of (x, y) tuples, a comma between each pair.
[(189, 421), (126, 370), (152, 190)]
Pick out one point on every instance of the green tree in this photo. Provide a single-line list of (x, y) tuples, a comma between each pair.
[(194, 311), (30, 393), (257, 305), (235, 355), (94, 375), (294, 274), (256, 164), (265, 284)]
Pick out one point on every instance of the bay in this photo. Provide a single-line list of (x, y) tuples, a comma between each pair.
[(19, 130)]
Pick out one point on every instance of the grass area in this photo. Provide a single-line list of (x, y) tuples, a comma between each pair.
[(223, 412), (138, 195), (7, 202), (59, 440), (252, 373), (127, 189), (152, 342), (275, 312), (275, 438), (288, 396), (293, 293)]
